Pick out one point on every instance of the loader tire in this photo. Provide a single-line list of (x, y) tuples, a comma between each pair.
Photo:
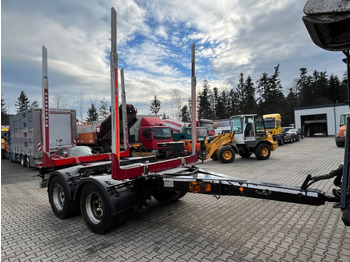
[(245, 154), (226, 154), (214, 156), (262, 151), (61, 205)]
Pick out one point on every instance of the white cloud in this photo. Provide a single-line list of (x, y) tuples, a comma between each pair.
[(154, 40)]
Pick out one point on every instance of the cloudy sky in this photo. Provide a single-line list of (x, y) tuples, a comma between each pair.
[(154, 47)]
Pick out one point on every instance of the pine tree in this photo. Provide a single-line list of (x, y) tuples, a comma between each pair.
[(248, 105), (92, 114), (155, 105), (271, 98), (222, 111), (22, 102), (164, 116), (4, 114), (103, 109), (185, 116), (291, 101), (205, 108)]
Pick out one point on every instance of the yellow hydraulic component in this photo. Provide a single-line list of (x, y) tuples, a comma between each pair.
[(219, 141)]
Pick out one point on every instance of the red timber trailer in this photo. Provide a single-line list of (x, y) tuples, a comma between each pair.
[(104, 192)]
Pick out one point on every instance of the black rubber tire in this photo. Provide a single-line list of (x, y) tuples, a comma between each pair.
[(281, 142), (226, 154), (166, 197), (245, 154), (214, 156), (262, 151), (27, 161), (339, 144), (95, 209), (23, 161), (61, 205)]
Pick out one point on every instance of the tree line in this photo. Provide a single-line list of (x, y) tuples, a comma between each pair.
[(264, 96)]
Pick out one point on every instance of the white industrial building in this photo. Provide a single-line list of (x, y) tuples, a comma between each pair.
[(319, 120)]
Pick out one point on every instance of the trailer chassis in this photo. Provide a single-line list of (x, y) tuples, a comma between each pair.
[(105, 193)]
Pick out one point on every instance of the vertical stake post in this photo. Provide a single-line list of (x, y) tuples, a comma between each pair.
[(114, 84), (194, 103), (45, 106)]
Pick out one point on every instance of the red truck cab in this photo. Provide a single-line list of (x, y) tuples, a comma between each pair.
[(154, 135)]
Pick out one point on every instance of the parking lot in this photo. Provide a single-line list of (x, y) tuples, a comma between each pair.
[(195, 228)]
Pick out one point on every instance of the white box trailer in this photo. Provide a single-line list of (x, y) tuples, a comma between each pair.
[(26, 144)]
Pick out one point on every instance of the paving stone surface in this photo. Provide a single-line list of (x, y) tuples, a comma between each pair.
[(195, 228)]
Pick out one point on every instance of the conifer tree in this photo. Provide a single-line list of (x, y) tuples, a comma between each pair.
[(22, 102)]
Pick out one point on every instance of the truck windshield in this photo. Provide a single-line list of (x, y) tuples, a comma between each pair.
[(161, 133), (237, 125), (269, 123)]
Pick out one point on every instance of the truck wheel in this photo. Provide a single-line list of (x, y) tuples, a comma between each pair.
[(226, 154), (61, 205), (245, 154), (262, 151), (281, 142), (95, 209), (27, 161), (166, 197), (23, 160)]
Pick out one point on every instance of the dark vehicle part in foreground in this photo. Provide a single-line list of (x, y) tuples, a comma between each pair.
[(105, 192), (329, 27)]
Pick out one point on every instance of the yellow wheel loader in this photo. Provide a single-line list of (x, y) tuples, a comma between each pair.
[(248, 136)]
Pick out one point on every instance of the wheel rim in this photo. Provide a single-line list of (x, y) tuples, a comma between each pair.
[(264, 151), (94, 207), (58, 197), (227, 155)]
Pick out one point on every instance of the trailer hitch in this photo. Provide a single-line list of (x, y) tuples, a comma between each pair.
[(337, 173)]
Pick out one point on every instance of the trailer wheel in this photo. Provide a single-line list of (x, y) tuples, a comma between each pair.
[(166, 197), (262, 151), (61, 205), (23, 160), (95, 209), (226, 154), (27, 161)]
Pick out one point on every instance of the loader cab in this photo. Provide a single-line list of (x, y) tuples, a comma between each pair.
[(248, 128)]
